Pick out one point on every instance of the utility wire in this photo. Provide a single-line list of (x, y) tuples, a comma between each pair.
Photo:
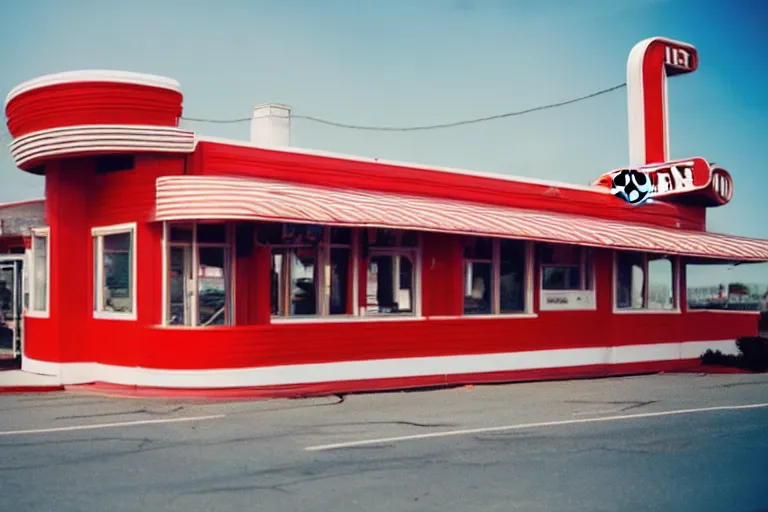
[(427, 127)]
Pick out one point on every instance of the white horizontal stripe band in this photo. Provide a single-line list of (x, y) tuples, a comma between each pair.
[(100, 138), (313, 373)]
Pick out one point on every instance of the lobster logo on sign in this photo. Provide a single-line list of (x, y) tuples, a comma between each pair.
[(633, 186)]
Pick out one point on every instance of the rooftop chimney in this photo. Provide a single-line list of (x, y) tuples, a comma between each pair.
[(271, 125)]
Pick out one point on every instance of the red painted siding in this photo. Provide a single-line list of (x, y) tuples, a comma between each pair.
[(73, 104), (71, 334)]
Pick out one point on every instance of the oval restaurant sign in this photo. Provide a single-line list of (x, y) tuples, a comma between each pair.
[(692, 181)]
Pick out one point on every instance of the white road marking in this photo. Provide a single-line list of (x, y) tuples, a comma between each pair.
[(603, 411), (386, 440), (109, 425)]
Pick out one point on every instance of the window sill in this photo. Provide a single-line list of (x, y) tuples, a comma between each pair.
[(646, 311), (112, 315), (500, 316), (345, 319), (37, 314), (729, 311)]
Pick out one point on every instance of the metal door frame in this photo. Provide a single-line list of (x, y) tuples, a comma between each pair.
[(17, 262)]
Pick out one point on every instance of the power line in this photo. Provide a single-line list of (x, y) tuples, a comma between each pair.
[(427, 127)]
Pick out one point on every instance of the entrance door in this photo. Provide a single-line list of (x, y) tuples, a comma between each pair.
[(11, 308)]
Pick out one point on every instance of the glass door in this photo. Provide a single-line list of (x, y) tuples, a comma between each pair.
[(10, 308)]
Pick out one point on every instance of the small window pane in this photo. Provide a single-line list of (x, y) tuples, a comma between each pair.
[(302, 234), (589, 268), (118, 274), (40, 254), (181, 234), (211, 234), (386, 238), (339, 285), (660, 283), (270, 234), (409, 239), (512, 278), (477, 288), (180, 263), (212, 286), (478, 248), (560, 254), (303, 265), (277, 282), (341, 236), (561, 278), (630, 280), (7, 291)]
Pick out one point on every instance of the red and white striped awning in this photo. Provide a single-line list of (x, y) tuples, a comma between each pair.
[(213, 197)]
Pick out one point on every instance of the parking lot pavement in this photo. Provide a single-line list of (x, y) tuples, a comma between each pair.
[(664, 442)]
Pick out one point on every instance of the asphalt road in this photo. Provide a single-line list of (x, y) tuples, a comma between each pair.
[(572, 446)]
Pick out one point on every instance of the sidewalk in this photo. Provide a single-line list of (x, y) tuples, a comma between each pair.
[(13, 380)]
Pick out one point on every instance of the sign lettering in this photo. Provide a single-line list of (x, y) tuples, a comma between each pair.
[(671, 179), (557, 300), (678, 57)]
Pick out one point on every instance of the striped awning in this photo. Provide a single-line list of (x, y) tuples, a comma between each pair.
[(214, 197)]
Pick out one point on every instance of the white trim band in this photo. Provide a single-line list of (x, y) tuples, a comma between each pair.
[(82, 373), (101, 138)]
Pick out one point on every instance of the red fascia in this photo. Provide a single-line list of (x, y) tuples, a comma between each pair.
[(214, 158)]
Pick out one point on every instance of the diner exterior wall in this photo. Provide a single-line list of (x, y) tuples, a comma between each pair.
[(78, 199)]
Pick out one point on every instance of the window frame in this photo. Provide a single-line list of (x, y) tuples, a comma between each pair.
[(675, 260), (230, 262), (97, 238), (587, 279), (31, 312), (323, 279), (528, 295), (410, 252)]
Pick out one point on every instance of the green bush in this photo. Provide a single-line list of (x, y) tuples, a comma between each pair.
[(753, 355)]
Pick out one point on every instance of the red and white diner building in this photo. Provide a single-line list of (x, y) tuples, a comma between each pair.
[(168, 259)]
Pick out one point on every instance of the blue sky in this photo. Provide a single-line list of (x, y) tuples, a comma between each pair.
[(399, 62)]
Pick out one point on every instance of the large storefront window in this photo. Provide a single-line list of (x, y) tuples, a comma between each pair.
[(646, 281), (114, 256), (311, 269), (495, 276), (723, 286), (40, 270), (199, 262)]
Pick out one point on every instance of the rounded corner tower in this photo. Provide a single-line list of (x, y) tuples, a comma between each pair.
[(100, 139), (94, 112)]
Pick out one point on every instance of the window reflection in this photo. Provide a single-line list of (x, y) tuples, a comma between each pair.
[(303, 263), (512, 276), (390, 284), (339, 281), (630, 280), (212, 286), (478, 287)]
